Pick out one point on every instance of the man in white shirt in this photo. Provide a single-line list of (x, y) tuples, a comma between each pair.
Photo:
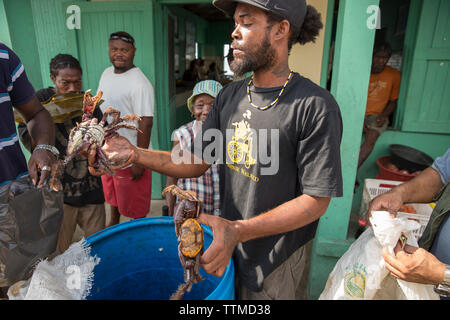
[(127, 89)]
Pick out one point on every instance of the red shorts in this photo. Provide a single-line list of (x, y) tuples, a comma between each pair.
[(131, 197)]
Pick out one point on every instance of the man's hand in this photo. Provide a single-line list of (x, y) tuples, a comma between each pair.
[(414, 265), (136, 172), (119, 153), (40, 159), (390, 201), (225, 238)]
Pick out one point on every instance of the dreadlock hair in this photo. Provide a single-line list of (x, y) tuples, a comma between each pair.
[(63, 61), (308, 31)]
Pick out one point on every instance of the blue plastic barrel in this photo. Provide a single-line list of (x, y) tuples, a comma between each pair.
[(139, 260)]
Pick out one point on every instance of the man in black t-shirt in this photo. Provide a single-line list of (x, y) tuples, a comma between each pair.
[(83, 193), (277, 139)]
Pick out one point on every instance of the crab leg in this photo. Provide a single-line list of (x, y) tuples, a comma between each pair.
[(198, 278), (111, 112), (130, 117), (109, 129), (56, 175), (188, 208)]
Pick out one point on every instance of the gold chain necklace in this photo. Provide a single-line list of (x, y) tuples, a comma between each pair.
[(274, 101)]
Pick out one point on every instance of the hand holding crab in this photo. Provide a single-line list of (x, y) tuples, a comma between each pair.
[(190, 237), (89, 136)]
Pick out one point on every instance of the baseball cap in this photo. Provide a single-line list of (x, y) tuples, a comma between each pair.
[(210, 87), (292, 10)]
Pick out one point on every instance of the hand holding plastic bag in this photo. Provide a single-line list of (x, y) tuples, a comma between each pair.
[(361, 274)]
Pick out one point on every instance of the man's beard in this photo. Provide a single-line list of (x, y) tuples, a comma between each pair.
[(261, 58), (122, 67)]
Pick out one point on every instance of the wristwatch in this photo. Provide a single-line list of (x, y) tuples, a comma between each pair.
[(443, 288), (48, 147)]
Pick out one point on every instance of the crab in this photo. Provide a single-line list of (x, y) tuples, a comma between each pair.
[(90, 132), (190, 237)]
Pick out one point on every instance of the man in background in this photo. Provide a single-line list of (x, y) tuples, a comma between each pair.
[(84, 203), (127, 89), (384, 87)]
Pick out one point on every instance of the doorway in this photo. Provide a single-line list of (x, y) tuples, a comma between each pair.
[(196, 35)]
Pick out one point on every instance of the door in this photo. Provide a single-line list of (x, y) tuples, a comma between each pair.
[(425, 107), (98, 21), (90, 43)]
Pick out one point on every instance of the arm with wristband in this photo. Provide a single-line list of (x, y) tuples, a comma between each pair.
[(38, 120)]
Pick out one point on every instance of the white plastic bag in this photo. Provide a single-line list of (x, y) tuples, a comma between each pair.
[(68, 276), (360, 274)]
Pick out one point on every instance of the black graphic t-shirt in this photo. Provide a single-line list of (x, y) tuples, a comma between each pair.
[(79, 186), (268, 157)]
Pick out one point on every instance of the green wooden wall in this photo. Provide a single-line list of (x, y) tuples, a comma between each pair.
[(5, 36), (426, 96), (22, 37)]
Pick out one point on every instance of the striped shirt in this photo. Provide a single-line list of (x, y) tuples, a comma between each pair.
[(15, 90), (207, 186)]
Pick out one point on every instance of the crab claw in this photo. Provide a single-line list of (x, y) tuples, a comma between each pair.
[(56, 175), (90, 102)]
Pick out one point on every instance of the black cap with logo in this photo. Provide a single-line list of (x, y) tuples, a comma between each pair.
[(292, 10)]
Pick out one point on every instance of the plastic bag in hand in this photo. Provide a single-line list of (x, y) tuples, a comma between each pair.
[(360, 274)]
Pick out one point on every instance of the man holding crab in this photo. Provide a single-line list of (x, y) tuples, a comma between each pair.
[(83, 193), (266, 218)]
